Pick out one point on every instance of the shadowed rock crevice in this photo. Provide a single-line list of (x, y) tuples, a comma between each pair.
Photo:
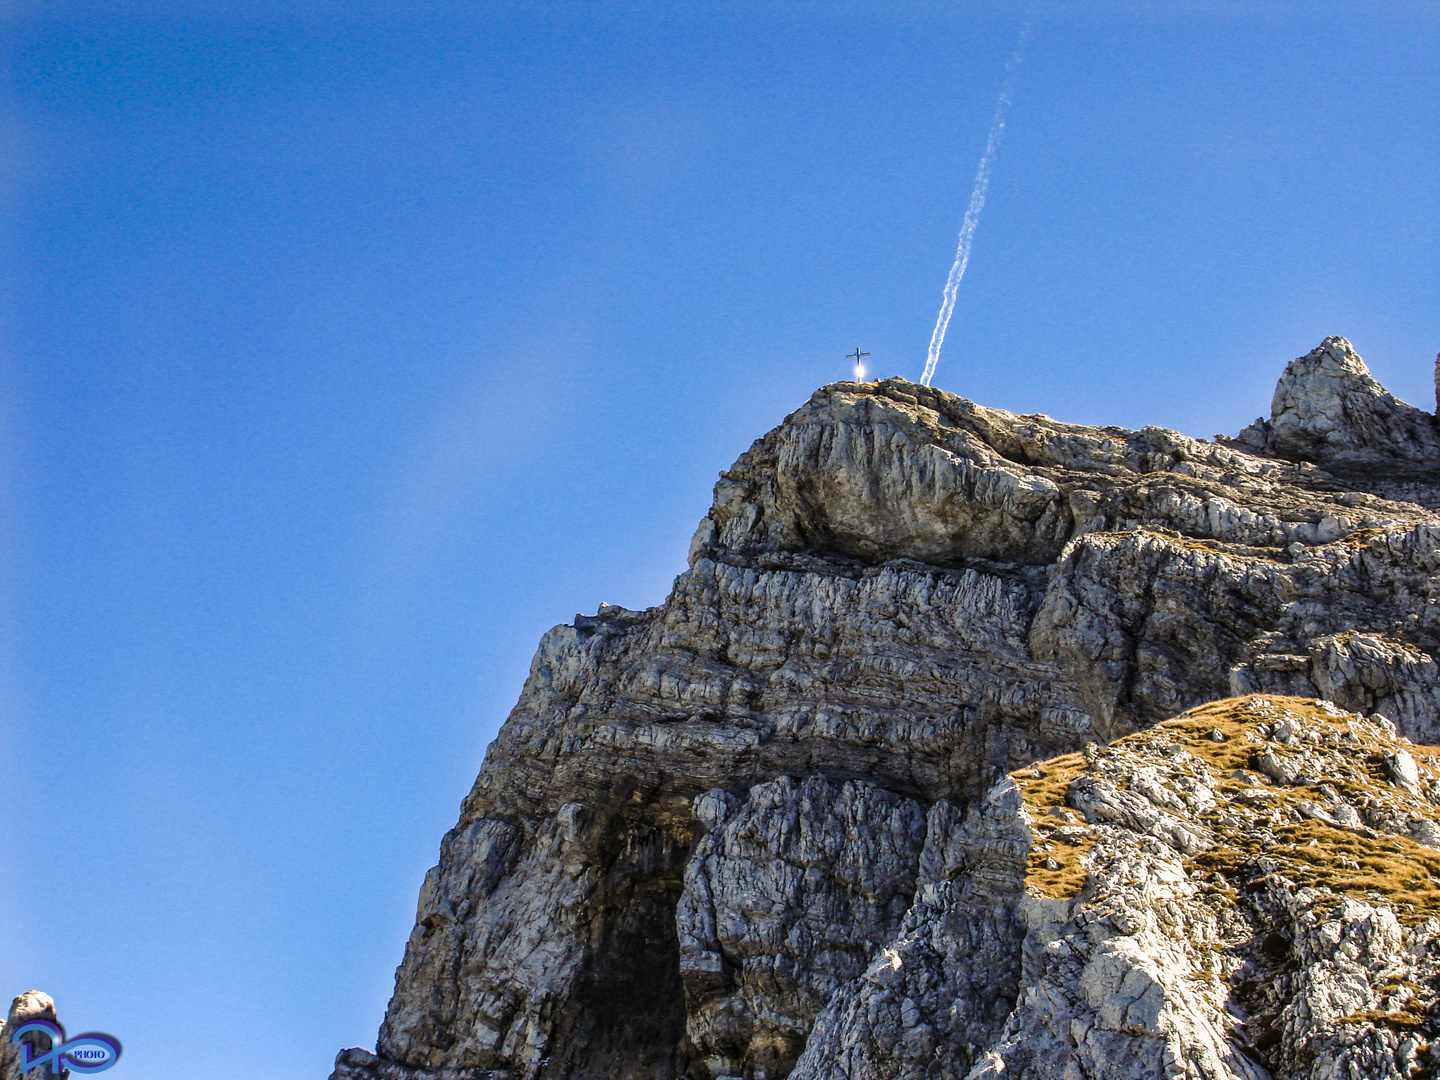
[(756, 831), (627, 1010), (788, 895)]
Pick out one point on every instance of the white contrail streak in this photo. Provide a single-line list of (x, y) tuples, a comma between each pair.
[(972, 213)]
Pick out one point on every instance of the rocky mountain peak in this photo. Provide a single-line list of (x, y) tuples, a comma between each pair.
[(1328, 409), (889, 787), (972, 744)]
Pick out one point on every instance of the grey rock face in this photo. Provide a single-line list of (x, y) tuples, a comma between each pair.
[(788, 895), (942, 989), (728, 835)]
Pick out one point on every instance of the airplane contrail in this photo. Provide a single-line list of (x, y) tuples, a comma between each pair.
[(972, 212)]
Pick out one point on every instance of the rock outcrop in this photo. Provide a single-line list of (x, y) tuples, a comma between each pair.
[(766, 829), (31, 1005), (1249, 887), (1329, 410)]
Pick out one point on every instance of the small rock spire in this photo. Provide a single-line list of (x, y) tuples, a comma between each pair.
[(31, 1005), (1329, 409)]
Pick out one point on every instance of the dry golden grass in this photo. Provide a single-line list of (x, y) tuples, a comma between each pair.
[(1393, 870), (1041, 793), (1411, 1016), (1190, 543), (1361, 537)]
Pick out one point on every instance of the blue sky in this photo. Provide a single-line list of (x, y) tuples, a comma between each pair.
[(348, 347)]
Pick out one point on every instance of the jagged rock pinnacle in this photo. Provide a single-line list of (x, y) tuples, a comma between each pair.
[(1328, 409)]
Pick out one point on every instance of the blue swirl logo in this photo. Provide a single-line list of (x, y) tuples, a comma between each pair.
[(88, 1053)]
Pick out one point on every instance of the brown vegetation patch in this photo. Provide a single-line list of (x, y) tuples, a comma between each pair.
[(1389, 869), (1254, 818), (1392, 870), (1043, 788), (1362, 537), (1409, 1017)]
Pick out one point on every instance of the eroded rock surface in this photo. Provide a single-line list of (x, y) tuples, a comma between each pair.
[(1246, 891), (756, 831), (788, 894)]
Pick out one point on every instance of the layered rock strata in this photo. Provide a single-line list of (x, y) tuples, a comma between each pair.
[(710, 830)]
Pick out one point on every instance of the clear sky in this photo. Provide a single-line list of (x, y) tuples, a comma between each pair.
[(349, 346)]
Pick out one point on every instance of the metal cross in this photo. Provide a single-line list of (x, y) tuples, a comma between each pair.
[(857, 355)]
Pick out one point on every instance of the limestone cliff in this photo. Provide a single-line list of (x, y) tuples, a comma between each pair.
[(786, 823)]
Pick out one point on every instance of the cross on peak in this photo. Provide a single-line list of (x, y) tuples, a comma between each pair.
[(858, 356)]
